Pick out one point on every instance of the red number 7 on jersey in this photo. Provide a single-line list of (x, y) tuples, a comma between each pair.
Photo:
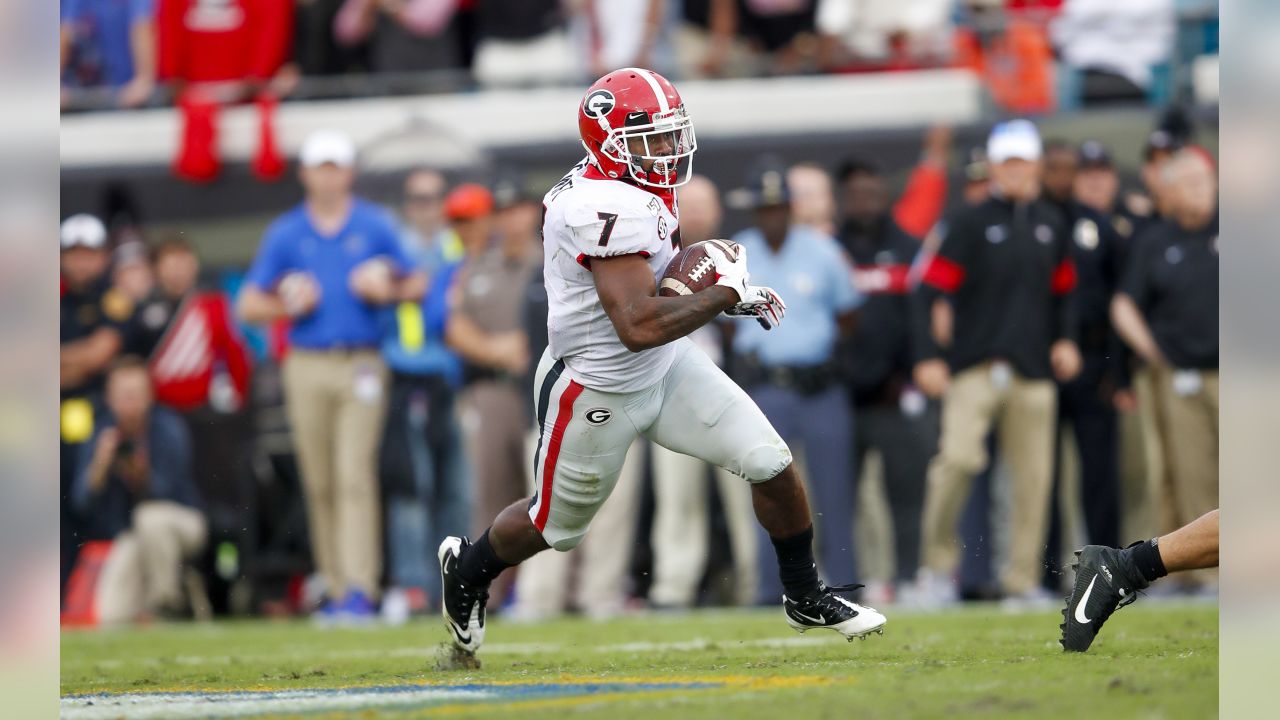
[(609, 219)]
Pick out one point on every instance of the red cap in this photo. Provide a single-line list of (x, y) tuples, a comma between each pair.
[(468, 202)]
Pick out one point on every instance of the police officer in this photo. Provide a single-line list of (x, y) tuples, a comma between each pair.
[(1086, 403), (790, 372), (92, 330), (1007, 265), (486, 328), (1167, 311)]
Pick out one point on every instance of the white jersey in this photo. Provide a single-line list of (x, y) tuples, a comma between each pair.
[(590, 218)]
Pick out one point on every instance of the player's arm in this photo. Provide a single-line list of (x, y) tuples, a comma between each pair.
[(644, 319)]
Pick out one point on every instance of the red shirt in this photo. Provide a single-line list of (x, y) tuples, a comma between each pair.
[(200, 337), (219, 40)]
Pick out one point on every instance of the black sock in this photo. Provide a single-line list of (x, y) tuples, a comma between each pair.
[(479, 565), (795, 564), (1146, 557)]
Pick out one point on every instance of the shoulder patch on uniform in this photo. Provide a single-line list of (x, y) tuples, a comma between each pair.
[(116, 305), (1086, 234)]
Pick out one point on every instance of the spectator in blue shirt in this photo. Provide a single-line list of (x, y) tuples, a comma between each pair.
[(134, 485), (112, 44), (329, 266), (790, 372), (424, 472)]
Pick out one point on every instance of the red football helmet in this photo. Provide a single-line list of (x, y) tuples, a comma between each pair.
[(634, 125)]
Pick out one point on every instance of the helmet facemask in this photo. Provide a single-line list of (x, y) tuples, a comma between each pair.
[(665, 143)]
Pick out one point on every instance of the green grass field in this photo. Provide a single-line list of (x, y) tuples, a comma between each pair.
[(1153, 661)]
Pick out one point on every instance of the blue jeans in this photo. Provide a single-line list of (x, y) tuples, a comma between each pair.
[(821, 425), (426, 478)]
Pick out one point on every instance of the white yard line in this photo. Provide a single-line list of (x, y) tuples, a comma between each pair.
[(180, 706)]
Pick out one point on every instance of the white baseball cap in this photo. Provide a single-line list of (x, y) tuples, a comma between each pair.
[(82, 230), (328, 146), (1014, 139)]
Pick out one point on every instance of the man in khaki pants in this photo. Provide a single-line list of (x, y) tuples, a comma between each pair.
[(1006, 265), (1167, 311), (328, 266)]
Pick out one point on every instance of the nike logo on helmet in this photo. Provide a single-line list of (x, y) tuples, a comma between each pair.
[(1084, 600)]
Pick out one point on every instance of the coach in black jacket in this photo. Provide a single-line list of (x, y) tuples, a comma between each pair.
[(1006, 264)]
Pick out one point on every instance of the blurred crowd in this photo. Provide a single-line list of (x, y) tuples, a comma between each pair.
[(131, 53), (942, 376)]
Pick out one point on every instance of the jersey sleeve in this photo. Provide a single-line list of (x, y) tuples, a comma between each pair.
[(601, 227)]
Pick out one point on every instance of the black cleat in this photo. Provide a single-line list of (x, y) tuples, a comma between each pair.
[(827, 610), (1106, 580), (463, 604)]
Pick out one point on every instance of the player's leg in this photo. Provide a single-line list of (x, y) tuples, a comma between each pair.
[(1108, 578), (583, 444), (706, 415), (1191, 547)]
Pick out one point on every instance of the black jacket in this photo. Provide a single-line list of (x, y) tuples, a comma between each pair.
[(1009, 272), (1172, 276), (877, 357)]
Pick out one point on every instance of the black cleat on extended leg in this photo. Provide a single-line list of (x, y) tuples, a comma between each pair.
[(1106, 580), (463, 605), (825, 609)]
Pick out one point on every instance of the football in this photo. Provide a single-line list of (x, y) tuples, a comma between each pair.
[(692, 269)]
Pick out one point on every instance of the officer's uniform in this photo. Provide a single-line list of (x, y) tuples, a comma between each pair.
[(892, 416), (81, 315), (791, 374), (1172, 276), (489, 289), (1009, 270)]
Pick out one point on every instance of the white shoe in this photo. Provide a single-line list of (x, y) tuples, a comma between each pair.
[(1033, 600), (395, 606), (828, 610), (936, 591)]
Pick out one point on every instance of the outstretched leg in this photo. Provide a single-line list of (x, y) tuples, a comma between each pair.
[(1107, 579), (733, 433), (583, 443), (1191, 547)]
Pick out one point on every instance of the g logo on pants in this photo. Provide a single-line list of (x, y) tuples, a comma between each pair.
[(597, 416)]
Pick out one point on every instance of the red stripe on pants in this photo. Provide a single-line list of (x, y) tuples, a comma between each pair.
[(563, 415)]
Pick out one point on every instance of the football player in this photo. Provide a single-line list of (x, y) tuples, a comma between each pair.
[(619, 364), (1109, 578)]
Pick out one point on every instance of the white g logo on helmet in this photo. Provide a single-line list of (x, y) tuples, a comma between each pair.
[(598, 104)]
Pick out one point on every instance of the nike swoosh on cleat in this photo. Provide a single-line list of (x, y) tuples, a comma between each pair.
[(464, 639), (802, 616), (1084, 599)]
